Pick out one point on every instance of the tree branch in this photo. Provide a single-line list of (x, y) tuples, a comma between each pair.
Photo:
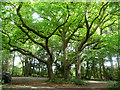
[(88, 28), (42, 36), (105, 18), (44, 18), (72, 21), (96, 48), (21, 50), (95, 29), (109, 25), (31, 54), (47, 48), (23, 41), (60, 25), (98, 15), (11, 4), (93, 42), (86, 20), (24, 25), (81, 60), (30, 37), (75, 39), (79, 26)]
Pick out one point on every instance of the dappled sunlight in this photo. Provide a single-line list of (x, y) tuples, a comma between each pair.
[(96, 82)]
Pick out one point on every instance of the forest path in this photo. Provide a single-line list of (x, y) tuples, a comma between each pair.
[(35, 83), (89, 81)]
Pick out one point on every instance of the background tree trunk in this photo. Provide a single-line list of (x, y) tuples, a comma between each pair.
[(104, 71), (26, 67), (78, 69), (93, 68), (13, 64), (87, 70), (112, 67), (100, 71)]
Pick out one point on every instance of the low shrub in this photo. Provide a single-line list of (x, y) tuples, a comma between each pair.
[(34, 75), (80, 82), (58, 81), (68, 81), (116, 85)]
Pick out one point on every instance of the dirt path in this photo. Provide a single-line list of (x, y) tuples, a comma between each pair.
[(19, 82)]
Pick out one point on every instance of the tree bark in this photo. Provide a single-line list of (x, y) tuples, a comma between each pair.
[(118, 61), (97, 76), (78, 70), (93, 68), (50, 71), (65, 67), (87, 70), (13, 63), (104, 71), (112, 67), (65, 62), (22, 68), (26, 67), (82, 72), (100, 71)]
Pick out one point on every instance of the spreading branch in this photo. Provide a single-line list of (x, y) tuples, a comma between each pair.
[(94, 30), (31, 54), (109, 25), (93, 42), (21, 40), (88, 30), (98, 14), (74, 39), (11, 4), (101, 20), (86, 19), (24, 24), (30, 37), (79, 26), (61, 24), (97, 48), (75, 60), (21, 50)]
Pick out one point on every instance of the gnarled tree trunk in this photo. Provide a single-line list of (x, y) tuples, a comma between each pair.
[(50, 71)]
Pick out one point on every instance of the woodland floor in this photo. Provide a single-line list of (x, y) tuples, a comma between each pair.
[(35, 83)]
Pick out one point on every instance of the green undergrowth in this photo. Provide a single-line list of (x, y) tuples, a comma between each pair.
[(116, 85), (68, 81), (80, 82)]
